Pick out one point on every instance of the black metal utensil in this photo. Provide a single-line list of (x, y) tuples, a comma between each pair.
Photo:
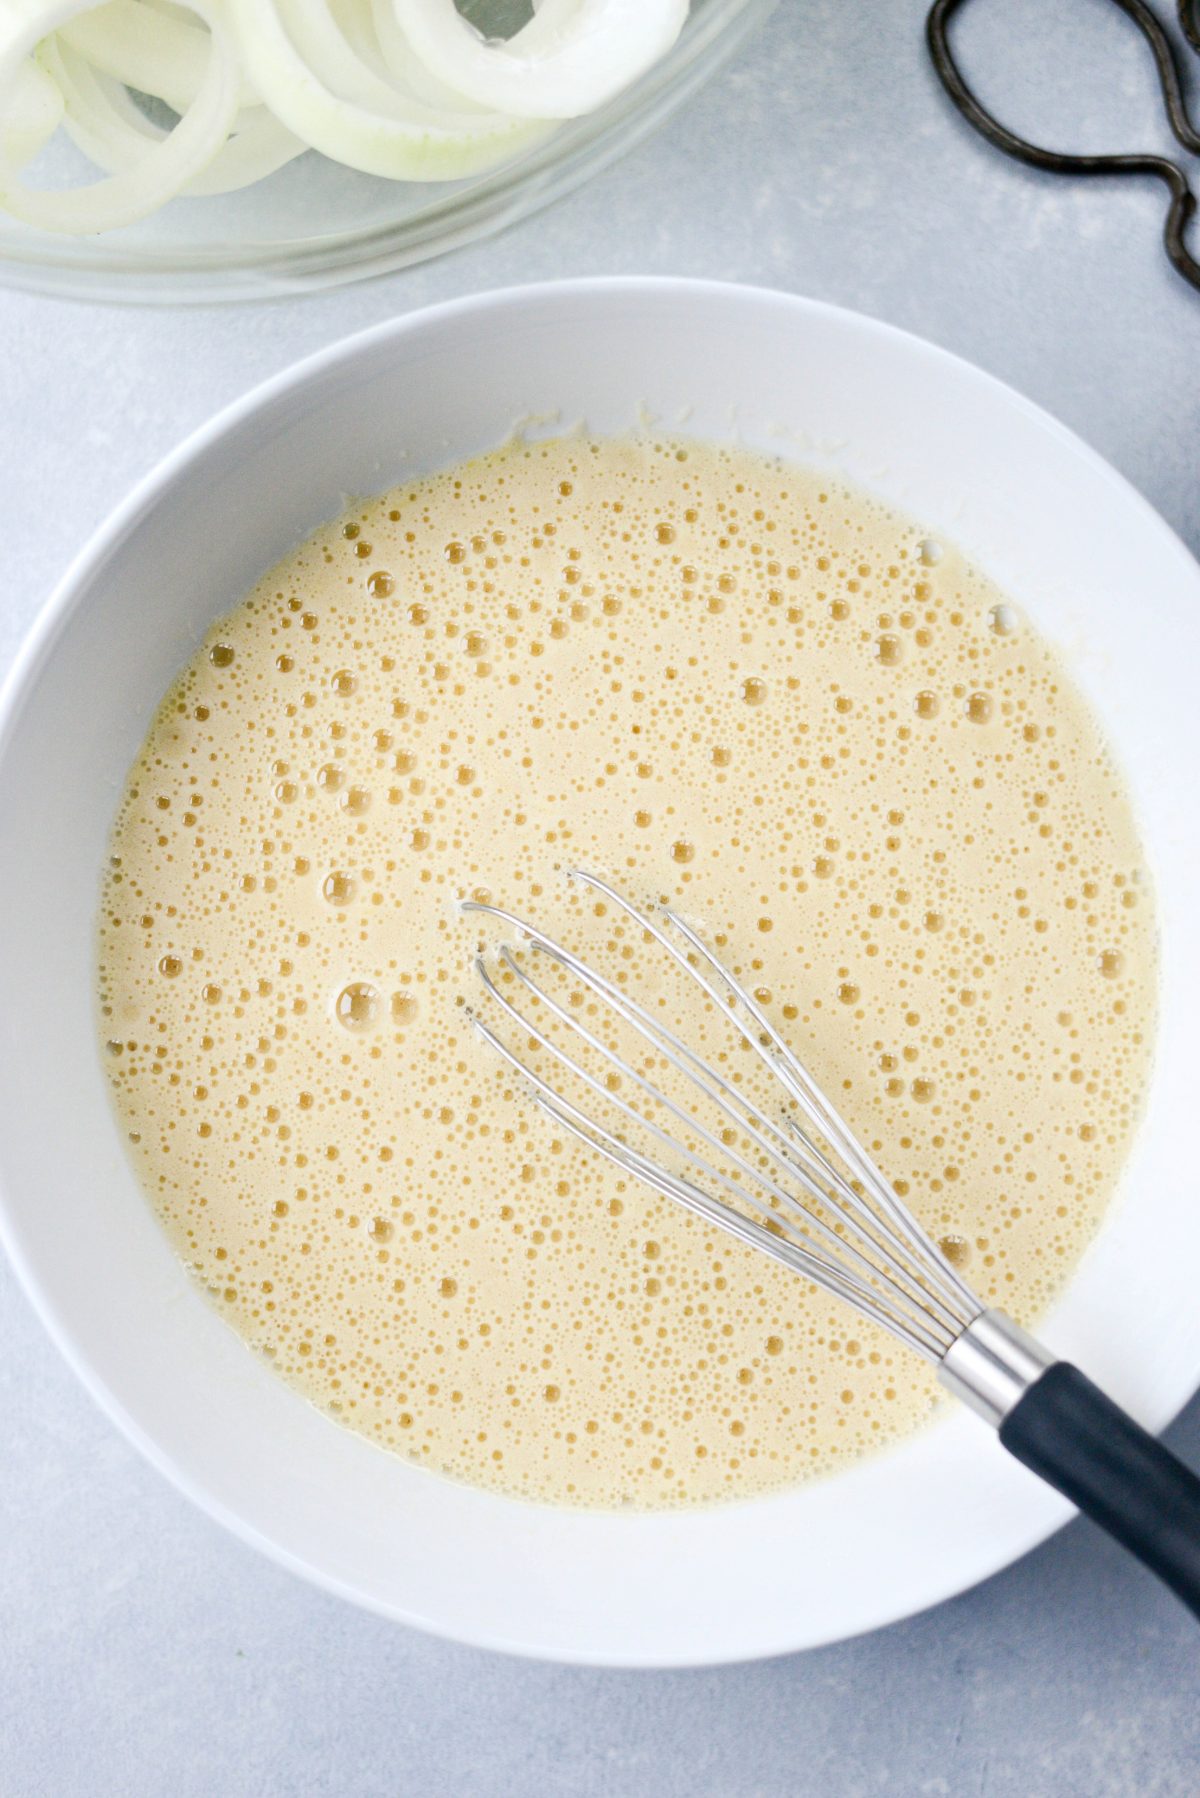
[(1183, 200)]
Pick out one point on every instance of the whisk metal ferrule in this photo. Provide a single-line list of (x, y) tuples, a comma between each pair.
[(992, 1365)]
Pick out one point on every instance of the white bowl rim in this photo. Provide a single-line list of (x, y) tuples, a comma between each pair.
[(1171, 1392)]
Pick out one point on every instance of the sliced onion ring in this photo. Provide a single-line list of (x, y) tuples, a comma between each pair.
[(568, 60), (394, 135), (155, 52), (370, 28), (255, 148), (32, 115), (405, 89), (181, 155), (111, 129)]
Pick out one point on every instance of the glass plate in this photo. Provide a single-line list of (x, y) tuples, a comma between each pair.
[(317, 225)]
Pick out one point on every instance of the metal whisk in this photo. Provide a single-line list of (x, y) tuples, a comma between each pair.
[(796, 1184)]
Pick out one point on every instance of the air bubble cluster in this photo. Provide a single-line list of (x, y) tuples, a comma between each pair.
[(798, 717)]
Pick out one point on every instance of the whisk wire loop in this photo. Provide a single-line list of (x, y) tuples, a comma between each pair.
[(806, 1220), (844, 1229), (684, 1192), (778, 1057)]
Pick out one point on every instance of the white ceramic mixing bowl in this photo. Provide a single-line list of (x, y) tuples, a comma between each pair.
[(1088, 561)]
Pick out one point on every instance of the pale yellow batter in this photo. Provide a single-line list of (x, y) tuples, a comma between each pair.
[(714, 679)]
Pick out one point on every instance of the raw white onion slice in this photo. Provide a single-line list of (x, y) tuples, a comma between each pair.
[(406, 67), (405, 89), (155, 52), (255, 148), (32, 115), (168, 165), (387, 134), (401, 63), (109, 127), (100, 117), (568, 60)]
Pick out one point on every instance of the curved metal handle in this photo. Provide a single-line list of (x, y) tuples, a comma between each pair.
[(1183, 201)]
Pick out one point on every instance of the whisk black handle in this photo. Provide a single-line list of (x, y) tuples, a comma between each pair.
[(1068, 1432)]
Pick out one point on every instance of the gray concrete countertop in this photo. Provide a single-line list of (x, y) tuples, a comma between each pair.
[(142, 1650)]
